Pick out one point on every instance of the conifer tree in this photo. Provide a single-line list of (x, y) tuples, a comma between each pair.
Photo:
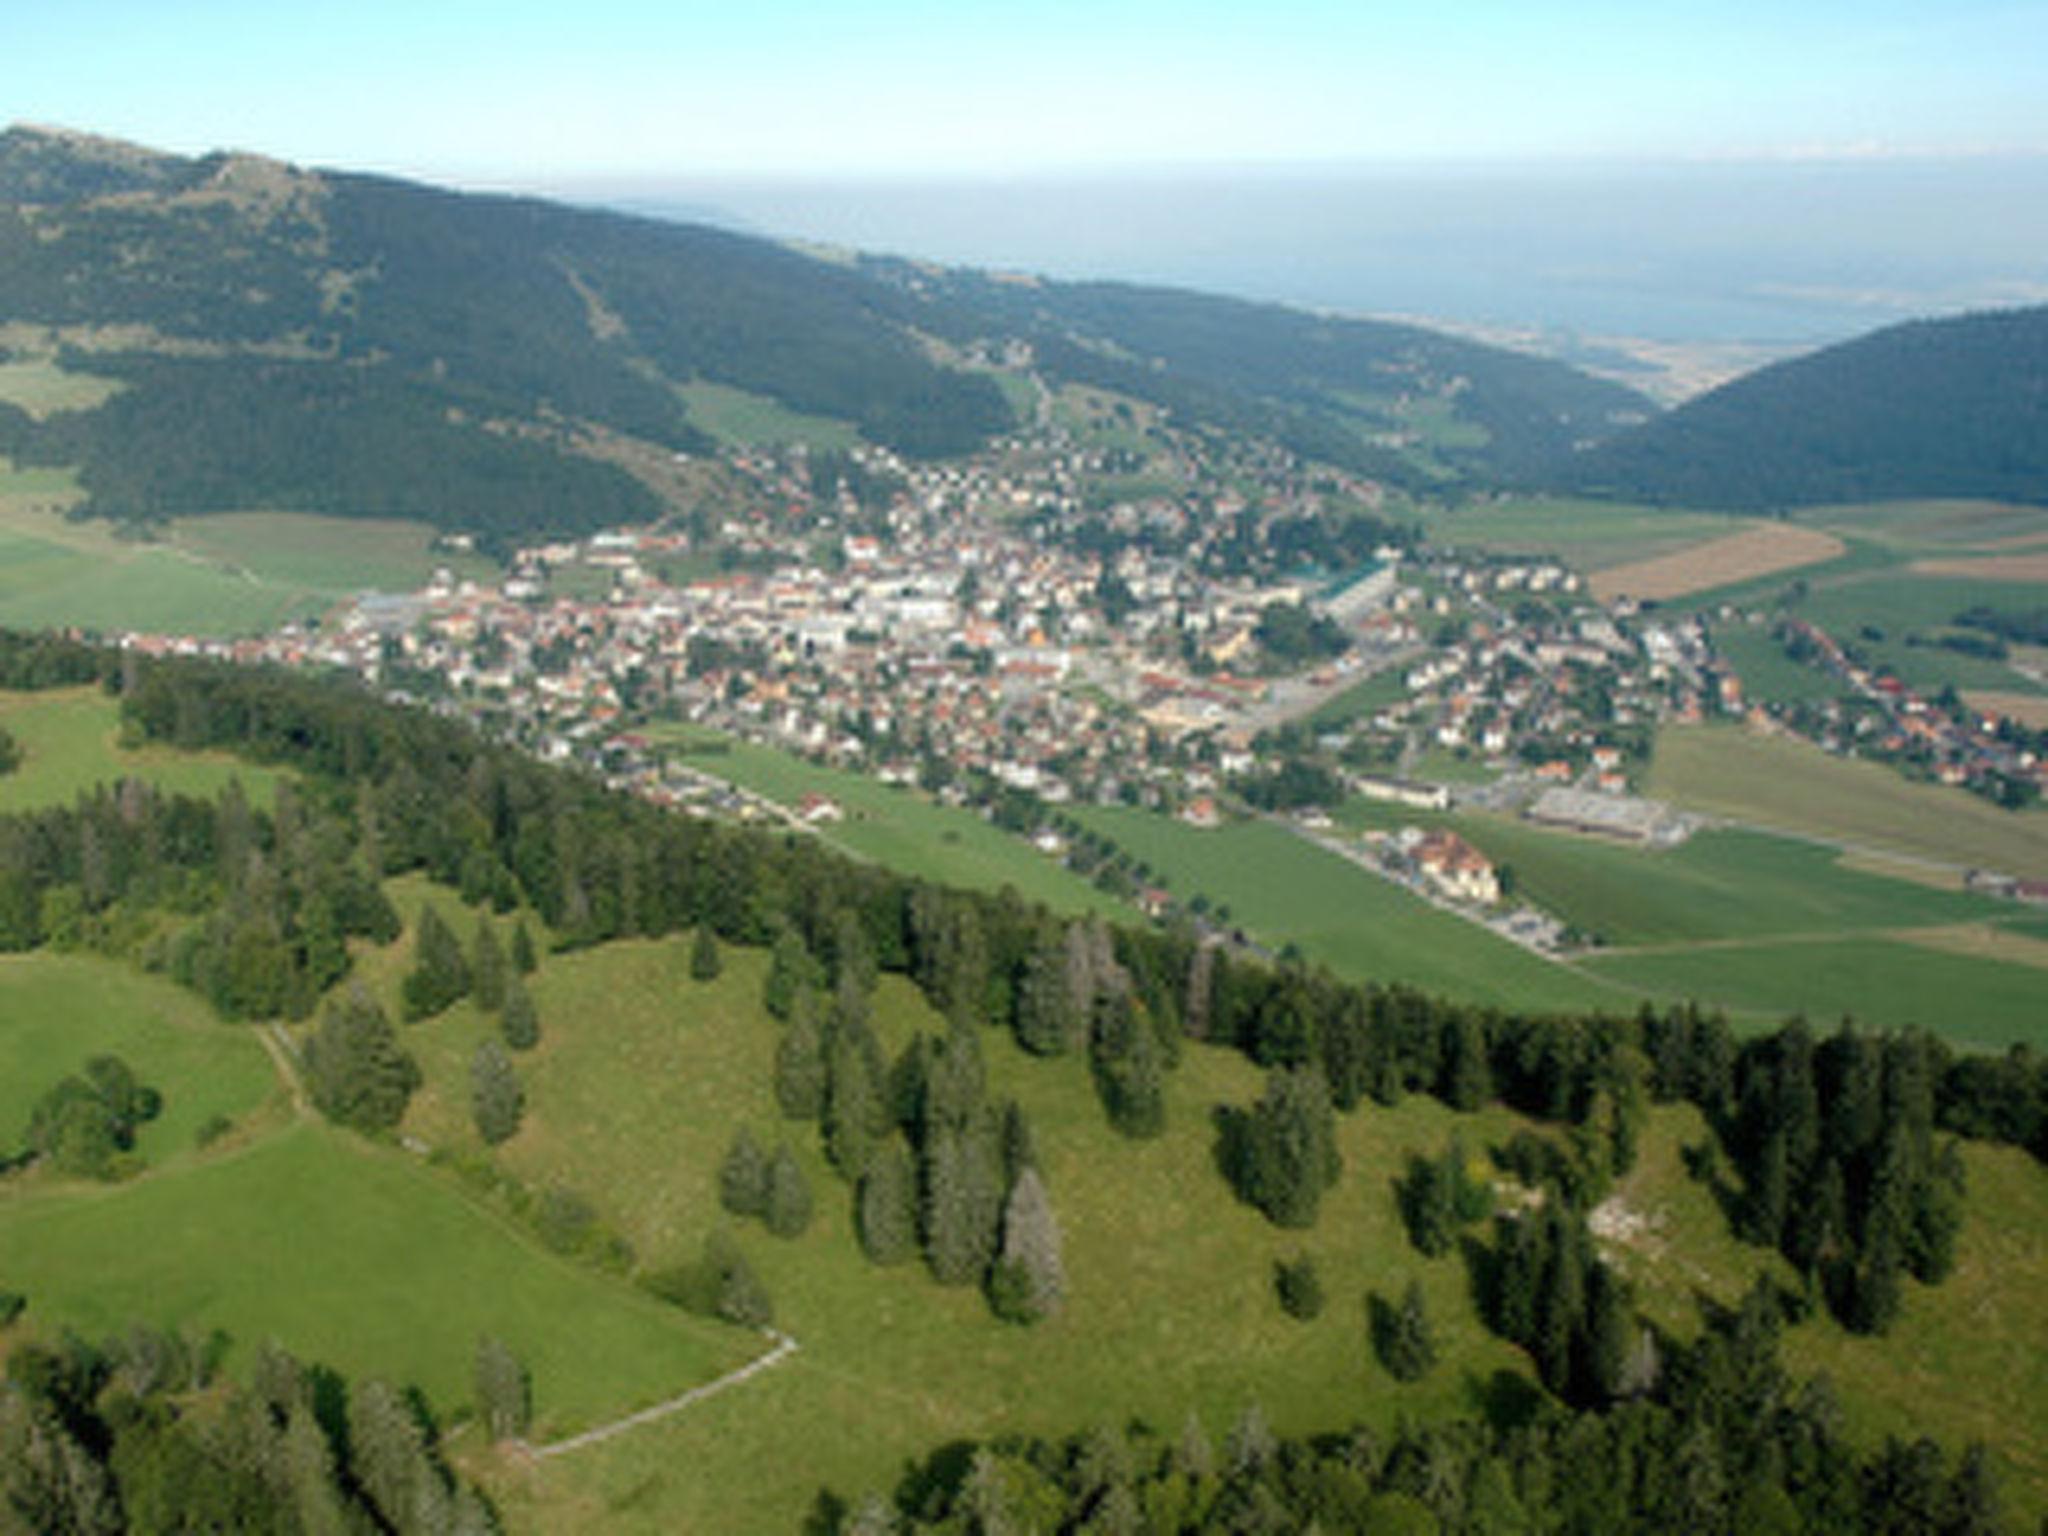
[(356, 1071), (886, 1209), (800, 1062), (791, 971), (1406, 1346), (743, 1176), (854, 1113), (705, 963), (496, 1101), (1299, 1287), (1029, 1282), (1044, 1018), (1018, 1149), (524, 960), (487, 966), (520, 1022), (786, 1205), (963, 1204), (502, 1393), (440, 974)]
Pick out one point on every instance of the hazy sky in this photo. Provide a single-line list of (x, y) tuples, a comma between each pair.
[(514, 92)]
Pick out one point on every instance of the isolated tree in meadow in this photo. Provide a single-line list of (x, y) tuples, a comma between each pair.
[(524, 958), (488, 967), (1029, 1281), (440, 974), (705, 963), (737, 1293), (743, 1176), (1402, 1336), (886, 1204), (502, 1392), (356, 1071), (786, 1202), (1299, 1287), (1285, 1154), (496, 1101), (520, 1022), (800, 1062)]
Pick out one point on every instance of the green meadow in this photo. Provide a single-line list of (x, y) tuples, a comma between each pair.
[(902, 828), (1790, 785), (350, 1254), (745, 420), (70, 741), (1283, 889), (1587, 535)]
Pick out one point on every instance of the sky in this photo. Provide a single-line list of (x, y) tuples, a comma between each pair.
[(521, 94)]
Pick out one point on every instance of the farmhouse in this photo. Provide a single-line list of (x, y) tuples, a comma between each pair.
[(1456, 868)]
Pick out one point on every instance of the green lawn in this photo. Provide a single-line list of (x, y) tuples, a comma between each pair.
[(1974, 1001), (1787, 784), (1282, 889), (58, 1011), (69, 743), (354, 1256), (41, 388), (1365, 697), (906, 829)]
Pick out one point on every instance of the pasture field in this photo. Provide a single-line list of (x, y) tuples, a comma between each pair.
[(1283, 889), (1790, 785), (1880, 612), (1931, 526), (43, 389), (58, 1011), (747, 420), (1586, 535), (901, 828), (323, 556), (70, 740), (1765, 550), (352, 1255), (641, 1080), (1878, 980), (1768, 675)]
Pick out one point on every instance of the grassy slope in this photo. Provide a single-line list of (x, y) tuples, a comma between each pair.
[(641, 1080), (1788, 784), (68, 741), (1768, 675), (748, 420), (1588, 535), (57, 1011), (42, 389), (322, 557), (1282, 888), (906, 830), (349, 1254)]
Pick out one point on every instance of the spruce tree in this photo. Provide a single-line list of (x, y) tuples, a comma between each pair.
[(743, 1176), (854, 1114), (705, 963), (520, 1022), (1299, 1287), (496, 1101), (963, 1203), (1029, 1282), (791, 971), (886, 1208), (1406, 1345), (524, 960), (487, 966), (800, 1062), (356, 1071), (502, 1393), (440, 974), (1044, 1018), (786, 1205)]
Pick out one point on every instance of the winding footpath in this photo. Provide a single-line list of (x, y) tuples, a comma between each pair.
[(785, 1346)]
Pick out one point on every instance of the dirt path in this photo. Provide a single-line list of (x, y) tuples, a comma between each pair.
[(785, 1346), (285, 1057)]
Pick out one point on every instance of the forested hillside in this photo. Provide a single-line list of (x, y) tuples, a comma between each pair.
[(1933, 408), (321, 341)]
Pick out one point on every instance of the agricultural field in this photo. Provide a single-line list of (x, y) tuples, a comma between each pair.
[(1765, 550), (1769, 676), (70, 740), (230, 573), (1283, 889), (1789, 785), (745, 420), (1586, 535), (901, 828)]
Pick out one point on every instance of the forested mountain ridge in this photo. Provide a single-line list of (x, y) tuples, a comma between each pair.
[(322, 341), (1940, 408)]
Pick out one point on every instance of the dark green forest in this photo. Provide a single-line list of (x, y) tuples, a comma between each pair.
[(1930, 408)]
